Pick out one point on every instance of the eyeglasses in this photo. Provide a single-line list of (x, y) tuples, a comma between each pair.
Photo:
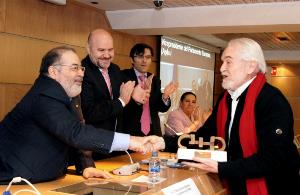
[(141, 57), (73, 67)]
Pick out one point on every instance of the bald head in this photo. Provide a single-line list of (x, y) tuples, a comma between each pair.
[(100, 48), (99, 33)]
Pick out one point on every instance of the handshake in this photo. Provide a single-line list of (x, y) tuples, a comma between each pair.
[(146, 144)]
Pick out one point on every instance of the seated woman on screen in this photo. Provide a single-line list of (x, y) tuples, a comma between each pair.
[(187, 118)]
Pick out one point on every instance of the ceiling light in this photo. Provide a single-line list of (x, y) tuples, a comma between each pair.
[(282, 36)]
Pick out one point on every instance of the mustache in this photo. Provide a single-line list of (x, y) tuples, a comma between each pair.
[(79, 79), (101, 63), (104, 58)]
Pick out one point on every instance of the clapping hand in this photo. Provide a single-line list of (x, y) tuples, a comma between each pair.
[(148, 82), (169, 89), (197, 113), (140, 95), (126, 89), (146, 144)]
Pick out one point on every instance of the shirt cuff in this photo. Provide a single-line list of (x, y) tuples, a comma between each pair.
[(121, 142), (166, 102), (122, 102)]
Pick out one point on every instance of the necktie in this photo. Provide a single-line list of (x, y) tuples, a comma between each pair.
[(107, 80), (145, 118)]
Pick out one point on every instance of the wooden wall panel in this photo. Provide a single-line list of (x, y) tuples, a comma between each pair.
[(2, 101), (123, 61), (288, 80), (68, 24), (10, 95), (153, 41), (153, 68), (76, 30), (297, 126), (26, 17), (123, 43), (295, 104), (22, 57), (18, 65), (290, 70), (2, 15), (218, 84), (289, 86), (54, 27), (98, 20)]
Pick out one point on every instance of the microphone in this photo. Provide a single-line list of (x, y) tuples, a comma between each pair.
[(127, 169), (168, 126)]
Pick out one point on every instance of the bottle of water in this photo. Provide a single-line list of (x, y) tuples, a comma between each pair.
[(154, 168)]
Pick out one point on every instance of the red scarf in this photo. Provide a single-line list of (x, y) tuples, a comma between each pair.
[(247, 130)]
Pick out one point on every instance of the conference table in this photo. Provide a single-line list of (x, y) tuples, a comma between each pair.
[(206, 183)]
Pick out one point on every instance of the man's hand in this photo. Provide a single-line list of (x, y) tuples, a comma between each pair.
[(157, 143), (146, 144), (140, 95), (91, 172), (169, 89), (204, 164), (126, 90), (148, 82)]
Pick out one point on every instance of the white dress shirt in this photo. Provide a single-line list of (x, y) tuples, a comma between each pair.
[(235, 100)]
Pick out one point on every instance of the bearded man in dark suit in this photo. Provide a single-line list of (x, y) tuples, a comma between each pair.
[(37, 134)]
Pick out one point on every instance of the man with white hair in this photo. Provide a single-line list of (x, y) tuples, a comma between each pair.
[(256, 121)]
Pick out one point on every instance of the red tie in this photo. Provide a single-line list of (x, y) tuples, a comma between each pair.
[(107, 80), (145, 118)]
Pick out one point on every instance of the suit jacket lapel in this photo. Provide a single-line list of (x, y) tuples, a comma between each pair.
[(102, 83), (97, 76), (113, 82), (133, 76)]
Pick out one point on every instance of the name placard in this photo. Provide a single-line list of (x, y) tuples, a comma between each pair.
[(185, 187)]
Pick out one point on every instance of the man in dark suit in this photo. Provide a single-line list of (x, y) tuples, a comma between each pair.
[(139, 119), (256, 121), (103, 94), (37, 134)]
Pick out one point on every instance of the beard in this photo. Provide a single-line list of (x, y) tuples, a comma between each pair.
[(227, 85), (74, 90), (104, 63)]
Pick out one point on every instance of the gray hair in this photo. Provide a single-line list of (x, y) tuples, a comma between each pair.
[(52, 57), (250, 50)]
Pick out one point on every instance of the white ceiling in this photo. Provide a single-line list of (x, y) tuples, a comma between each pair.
[(211, 21)]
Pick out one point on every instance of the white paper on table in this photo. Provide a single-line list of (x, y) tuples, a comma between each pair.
[(185, 187), (145, 179)]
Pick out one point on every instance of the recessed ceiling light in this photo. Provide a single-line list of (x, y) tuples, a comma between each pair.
[(282, 36)]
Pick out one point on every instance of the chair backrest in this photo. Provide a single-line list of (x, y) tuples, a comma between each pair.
[(297, 141)]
